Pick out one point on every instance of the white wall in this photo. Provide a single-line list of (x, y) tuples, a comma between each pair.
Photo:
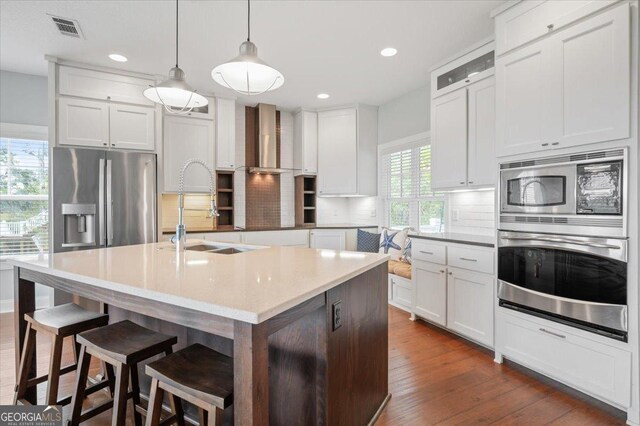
[(23, 98), (340, 210), (404, 116)]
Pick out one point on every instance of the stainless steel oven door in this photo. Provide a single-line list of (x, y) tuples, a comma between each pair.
[(580, 279), (539, 190)]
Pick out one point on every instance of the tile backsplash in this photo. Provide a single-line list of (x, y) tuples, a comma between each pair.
[(471, 212)]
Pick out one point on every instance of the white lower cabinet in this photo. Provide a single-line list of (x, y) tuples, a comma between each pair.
[(293, 238), (430, 282), (454, 288), (470, 304), (592, 364), (327, 239), (400, 292)]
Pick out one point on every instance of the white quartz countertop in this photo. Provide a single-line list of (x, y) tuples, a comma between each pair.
[(252, 286)]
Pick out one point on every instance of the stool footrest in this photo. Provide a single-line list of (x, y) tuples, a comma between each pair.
[(40, 379), (86, 415)]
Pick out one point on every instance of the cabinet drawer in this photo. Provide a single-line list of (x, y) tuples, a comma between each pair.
[(530, 20), (402, 296), (472, 259), (102, 85), (297, 238), (589, 365), (428, 251)]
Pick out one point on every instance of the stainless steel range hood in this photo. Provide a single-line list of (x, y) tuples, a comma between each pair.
[(267, 144)]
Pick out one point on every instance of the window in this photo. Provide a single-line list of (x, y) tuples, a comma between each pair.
[(24, 205), (406, 190)]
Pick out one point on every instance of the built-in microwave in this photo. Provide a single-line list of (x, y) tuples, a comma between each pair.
[(573, 194)]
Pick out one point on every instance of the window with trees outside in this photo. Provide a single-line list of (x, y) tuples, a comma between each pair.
[(406, 189), (24, 206)]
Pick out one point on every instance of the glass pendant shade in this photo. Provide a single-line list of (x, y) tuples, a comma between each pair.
[(175, 93), (246, 73)]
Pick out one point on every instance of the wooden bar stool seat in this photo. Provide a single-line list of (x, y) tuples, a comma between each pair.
[(58, 322), (196, 374), (122, 346)]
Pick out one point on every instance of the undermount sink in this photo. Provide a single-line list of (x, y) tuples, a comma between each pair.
[(213, 248)]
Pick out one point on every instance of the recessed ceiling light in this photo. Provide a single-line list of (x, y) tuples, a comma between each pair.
[(323, 96), (117, 57), (388, 51)]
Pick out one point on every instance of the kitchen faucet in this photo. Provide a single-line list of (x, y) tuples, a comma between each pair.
[(180, 238)]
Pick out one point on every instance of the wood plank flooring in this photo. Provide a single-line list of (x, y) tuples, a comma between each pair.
[(434, 377)]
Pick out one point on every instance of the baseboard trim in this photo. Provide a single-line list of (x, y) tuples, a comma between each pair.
[(6, 305)]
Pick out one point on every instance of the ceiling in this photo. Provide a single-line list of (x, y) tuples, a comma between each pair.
[(320, 46)]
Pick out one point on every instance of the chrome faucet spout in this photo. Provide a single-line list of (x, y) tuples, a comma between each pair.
[(181, 232)]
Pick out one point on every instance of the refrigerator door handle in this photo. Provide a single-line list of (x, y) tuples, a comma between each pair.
[(101, 211), (109, 206)]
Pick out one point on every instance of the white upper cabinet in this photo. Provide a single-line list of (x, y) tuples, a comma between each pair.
[(532, 19), (347, 151), (82, 122), (524, 100), (449, 140), (481, 155), (463, 128), (186, 138), (225, 134), (591, 73), (93, 84), (571, 88), (132, 127), (305, 143)]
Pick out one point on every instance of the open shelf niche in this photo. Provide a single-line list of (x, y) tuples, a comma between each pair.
[(305, 187), (224, 199)]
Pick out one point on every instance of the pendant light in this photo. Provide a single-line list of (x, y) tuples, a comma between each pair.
[(175, 94), (246, 73)]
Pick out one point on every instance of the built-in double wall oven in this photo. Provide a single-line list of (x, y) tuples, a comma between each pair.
[(562, 246)]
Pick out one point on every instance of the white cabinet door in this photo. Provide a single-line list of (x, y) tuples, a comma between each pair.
[(470, 304), (591, 70), (325, 239), (337, 152), (449, 140), (482, 133), (225, 134), (186, 138), (82, 122), (305, 144), (292, 238), (132, 127), (525, 101), (430, 283)]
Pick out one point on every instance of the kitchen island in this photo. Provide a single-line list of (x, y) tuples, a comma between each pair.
[(307, 328)]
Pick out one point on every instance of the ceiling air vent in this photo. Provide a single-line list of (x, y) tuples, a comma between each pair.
[(68, 27)]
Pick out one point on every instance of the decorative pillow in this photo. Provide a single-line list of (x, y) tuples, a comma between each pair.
[(392, 243), (406, 252), (368, 241)]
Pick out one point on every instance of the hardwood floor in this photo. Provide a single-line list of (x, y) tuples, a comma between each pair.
[(434, 377)]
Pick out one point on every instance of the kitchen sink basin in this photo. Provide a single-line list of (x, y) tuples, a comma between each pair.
[(213, 248)]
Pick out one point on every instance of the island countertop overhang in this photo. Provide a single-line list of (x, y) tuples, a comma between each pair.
[(252, 286)]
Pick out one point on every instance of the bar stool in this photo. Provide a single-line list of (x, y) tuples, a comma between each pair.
[(122, 345), (58, 322), (196, 374)]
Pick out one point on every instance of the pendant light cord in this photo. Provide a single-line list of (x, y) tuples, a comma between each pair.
[(248, 20), (176, 33)]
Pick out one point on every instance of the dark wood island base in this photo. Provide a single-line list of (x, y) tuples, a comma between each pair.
[(323, 362)]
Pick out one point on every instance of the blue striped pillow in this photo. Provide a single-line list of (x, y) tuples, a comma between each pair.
[(368, 242)]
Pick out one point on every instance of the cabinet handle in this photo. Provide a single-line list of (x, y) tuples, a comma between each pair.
[(442, 271), (468, 260), (544, 330), (461, 183), (426, 252), (108, 98), (467, 80), (471, 182), (104, 143), (555, 143), (545, 144), (113, 144), (550, 27), (450, 273)]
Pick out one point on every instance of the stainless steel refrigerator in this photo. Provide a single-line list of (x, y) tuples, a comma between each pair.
[(101, 199)]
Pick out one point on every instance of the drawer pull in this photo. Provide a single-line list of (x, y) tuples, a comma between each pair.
[(544, 330), (468, 260), (426, 252), (442, 271)]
